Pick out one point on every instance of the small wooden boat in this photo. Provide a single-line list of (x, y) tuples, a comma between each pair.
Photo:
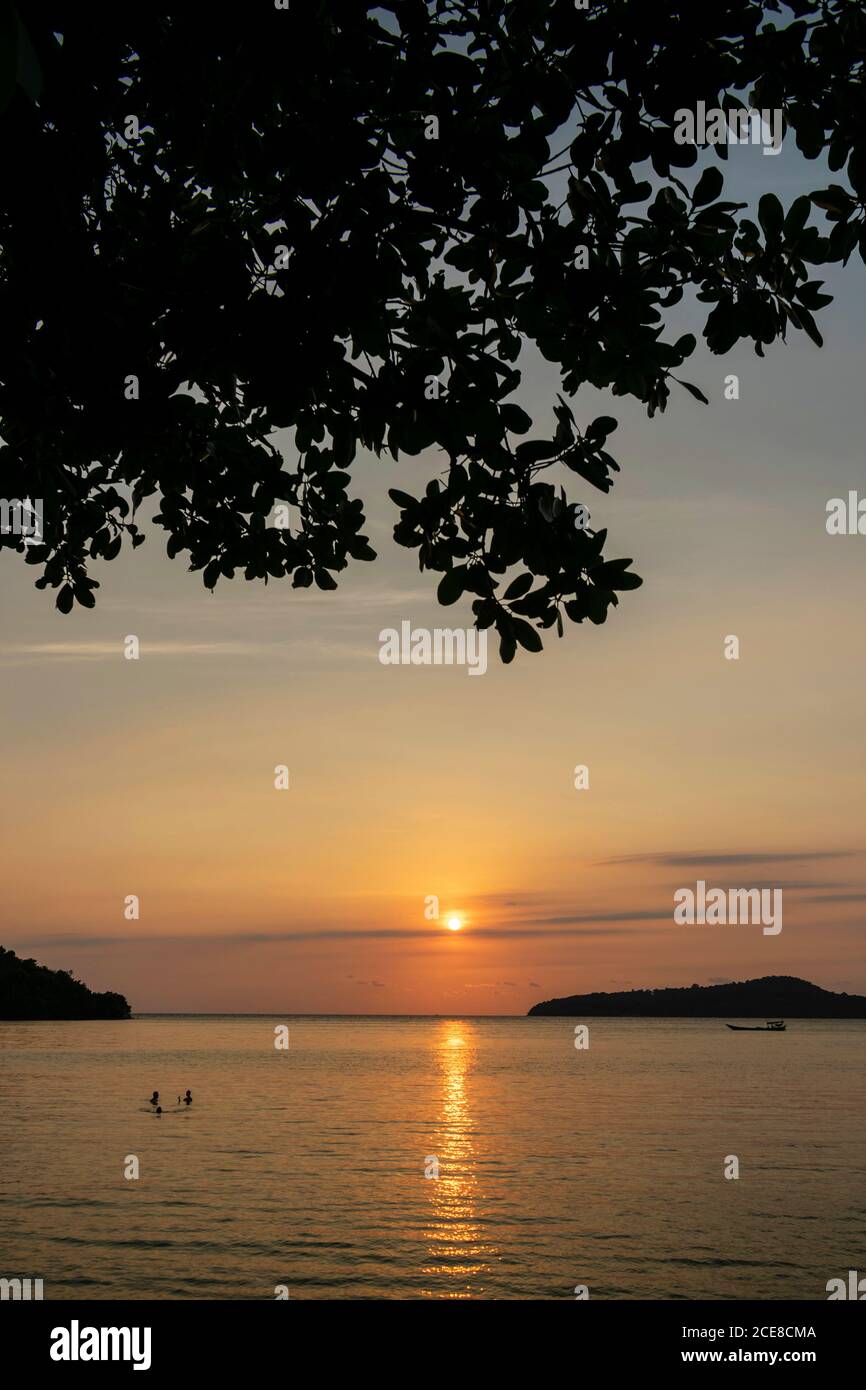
[(773, 1025)]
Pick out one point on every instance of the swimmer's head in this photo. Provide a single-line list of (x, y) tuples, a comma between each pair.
[(159, 1110)]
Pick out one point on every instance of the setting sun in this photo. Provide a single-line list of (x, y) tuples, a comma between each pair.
[(454, 924)]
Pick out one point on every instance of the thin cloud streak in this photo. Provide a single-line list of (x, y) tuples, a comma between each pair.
[(837, 898), (689, 859), (113, 651), (331, 934)]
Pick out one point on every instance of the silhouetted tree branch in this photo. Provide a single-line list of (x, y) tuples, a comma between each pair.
[(411, 187)]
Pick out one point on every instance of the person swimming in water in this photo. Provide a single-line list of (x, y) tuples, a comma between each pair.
[(154, 1100), (187, 1100)]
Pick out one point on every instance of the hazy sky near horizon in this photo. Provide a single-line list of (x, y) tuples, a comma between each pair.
[(155, 777)]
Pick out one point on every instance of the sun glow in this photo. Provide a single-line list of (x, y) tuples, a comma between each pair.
[(454, 924)]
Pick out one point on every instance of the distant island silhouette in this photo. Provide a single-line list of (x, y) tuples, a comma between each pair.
[(31, 991), (772, 996)]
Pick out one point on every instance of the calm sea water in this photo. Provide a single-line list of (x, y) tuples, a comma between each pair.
[(557, 1167)]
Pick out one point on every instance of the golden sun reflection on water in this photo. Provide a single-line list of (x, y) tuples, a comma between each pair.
[(459, 1258)]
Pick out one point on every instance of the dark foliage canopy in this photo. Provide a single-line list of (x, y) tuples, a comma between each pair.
[(28, 990), (322, 210)]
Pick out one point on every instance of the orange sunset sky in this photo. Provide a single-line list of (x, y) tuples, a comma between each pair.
[(155, 777)]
